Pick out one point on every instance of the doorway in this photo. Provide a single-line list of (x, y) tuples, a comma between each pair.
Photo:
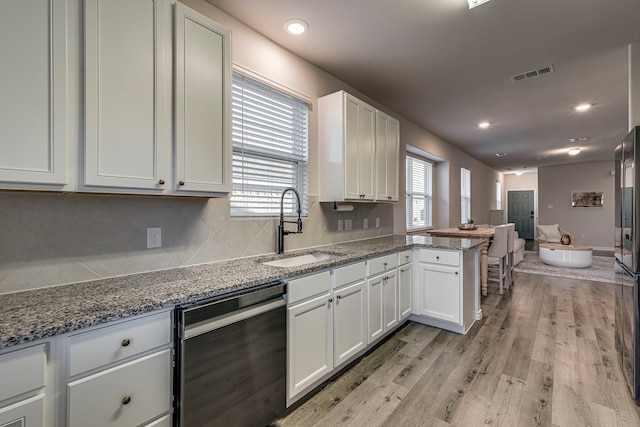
[(522, 212)]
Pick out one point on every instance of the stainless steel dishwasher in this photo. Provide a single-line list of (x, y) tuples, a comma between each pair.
[(231, 360)]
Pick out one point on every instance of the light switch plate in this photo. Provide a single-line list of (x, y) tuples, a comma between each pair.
[(348, 225), (377, 222), (340, 225), (365, 223)]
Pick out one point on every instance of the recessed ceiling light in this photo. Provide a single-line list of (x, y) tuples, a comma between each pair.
[(296, 26), (484, 125), (582, 107), (574, 151), (474, 3), (501, 154)]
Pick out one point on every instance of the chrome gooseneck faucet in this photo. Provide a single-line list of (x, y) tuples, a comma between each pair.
[(281, 231)]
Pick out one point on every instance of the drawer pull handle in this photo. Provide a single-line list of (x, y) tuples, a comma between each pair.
[(181, 183), (456, 273), (437, 257), (406, 257), (385, 265), (126, 400), (161, 182), (125, 342)]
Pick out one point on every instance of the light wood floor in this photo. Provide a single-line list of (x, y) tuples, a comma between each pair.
[(543, 355)]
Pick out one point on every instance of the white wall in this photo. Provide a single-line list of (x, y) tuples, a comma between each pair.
[(591, 226)]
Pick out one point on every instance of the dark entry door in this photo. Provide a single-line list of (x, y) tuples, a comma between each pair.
[(521, 212)]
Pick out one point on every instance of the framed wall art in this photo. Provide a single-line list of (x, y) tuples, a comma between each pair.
[(587, 199)]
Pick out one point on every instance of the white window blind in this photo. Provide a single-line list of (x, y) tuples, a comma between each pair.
[(465, 195), (270, 149), (419, 193), (498, 195)]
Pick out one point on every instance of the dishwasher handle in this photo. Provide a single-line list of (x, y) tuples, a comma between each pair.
[(230, 318)]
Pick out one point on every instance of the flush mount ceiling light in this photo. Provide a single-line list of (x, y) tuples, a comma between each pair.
[(296, 26), (574, 140), (484, 125), (582, 107), (474, 3), (501, 154), (518, 173), (574, 151)]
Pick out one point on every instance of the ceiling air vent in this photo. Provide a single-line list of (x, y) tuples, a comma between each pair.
[(533, 73)]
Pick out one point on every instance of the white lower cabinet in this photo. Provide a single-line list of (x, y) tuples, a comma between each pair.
[(447, 294), (126, 395), (26, 413), (349, 312), (23, 378), (309, 332), (382, 296), (120, 374), (405, 291)]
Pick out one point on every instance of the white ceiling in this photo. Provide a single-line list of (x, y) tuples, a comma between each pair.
[(447, 68)]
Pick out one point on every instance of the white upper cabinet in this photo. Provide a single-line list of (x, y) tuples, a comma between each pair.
[(125, 88), (202, 103), (387, 157), (33, 94), (346, 148)]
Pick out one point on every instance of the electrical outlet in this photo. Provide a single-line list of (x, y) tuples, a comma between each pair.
[(365, 223), (348, 224), (377, 222), (340, 225), (154, 237)]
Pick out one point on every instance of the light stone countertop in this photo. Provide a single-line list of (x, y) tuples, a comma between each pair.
[(40, 313)]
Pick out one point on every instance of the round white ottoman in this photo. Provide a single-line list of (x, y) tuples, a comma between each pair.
[(572, 256)]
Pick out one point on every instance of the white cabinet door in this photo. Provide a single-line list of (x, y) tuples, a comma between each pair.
[(309, 343), (440, 292), (26, 413), (33, 95), (390, 299), (349, 322), (125, 83), (387, 154), (359, 149), (375, 322), (405, 285), (203, 103)]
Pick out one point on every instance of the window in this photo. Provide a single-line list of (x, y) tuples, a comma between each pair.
[(270, 149), (498, 195), (419, 193), (465, 195)]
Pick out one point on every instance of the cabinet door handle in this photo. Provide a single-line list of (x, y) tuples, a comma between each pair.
[(181, 183), (385, 265), (125, 342), (330, 299), (406, 257), (126, 400), (339, 297), (456, 273), (437, 257), (161, 182)]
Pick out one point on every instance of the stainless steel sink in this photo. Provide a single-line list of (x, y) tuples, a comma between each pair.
[(297, 261)]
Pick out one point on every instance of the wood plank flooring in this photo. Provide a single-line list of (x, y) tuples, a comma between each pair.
[(542, 355)]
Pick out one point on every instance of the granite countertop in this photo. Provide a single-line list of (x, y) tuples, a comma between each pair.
[(40, 313)]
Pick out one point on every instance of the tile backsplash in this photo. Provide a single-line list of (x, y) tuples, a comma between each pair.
[(51, 239)]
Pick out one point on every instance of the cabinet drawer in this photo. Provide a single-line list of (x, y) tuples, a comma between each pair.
[(405, 257), (308, 286), (349, 274), (90, 350), (383, 263), (24, 370), (100, 399), (440, 257)]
